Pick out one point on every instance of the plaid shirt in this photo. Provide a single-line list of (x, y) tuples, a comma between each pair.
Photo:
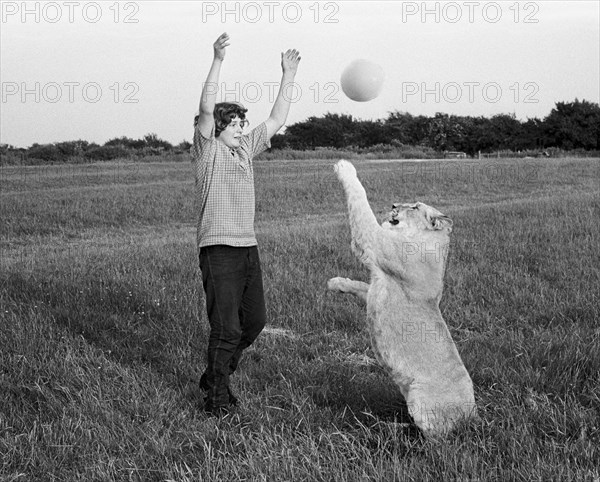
[(225, 188)]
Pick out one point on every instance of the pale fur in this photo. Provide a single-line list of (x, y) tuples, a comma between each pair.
[(407, 262)]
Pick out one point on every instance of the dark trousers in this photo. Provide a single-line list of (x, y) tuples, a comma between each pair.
[(235, 304)]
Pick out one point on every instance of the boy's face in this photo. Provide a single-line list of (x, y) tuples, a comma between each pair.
[(231, 135)]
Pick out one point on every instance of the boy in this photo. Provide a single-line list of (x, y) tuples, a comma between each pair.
[(229, 259)]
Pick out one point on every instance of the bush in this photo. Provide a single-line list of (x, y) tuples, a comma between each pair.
[(72, 148), (183, 147), (106, 153), (46, 152)]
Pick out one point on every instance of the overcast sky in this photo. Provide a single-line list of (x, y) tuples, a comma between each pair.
[(98, 70)]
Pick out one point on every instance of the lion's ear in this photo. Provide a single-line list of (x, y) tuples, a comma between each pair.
[(437, 221)]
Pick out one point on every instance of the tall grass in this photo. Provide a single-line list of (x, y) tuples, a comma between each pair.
[(103, 335)]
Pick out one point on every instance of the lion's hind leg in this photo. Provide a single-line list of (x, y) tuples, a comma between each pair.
[(346, 285)]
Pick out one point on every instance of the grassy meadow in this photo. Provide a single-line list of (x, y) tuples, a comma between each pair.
[(103, 335)]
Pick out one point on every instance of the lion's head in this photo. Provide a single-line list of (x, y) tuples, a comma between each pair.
[(421, 237), (418, 216)]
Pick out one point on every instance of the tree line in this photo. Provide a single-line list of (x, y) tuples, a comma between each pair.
[(83, 151), (569, 126)]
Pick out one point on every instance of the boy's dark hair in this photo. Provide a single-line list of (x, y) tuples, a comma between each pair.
[(223, 113)]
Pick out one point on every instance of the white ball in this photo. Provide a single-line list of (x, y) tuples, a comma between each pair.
[(362, 80)]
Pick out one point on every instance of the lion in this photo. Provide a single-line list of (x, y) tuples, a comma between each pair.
[(406, 256)]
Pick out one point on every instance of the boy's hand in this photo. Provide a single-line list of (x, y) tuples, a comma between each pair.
[(219, 46), (290, 60)]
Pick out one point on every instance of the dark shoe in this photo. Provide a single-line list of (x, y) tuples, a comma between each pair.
[(218, 411), (233, 401)]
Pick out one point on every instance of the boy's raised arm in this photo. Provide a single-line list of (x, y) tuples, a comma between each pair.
[(281, 107), (210, 87)]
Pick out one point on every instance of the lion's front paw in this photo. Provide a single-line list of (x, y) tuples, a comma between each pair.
[(344, 170)]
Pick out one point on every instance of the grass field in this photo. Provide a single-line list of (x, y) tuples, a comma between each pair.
[(103, 336)]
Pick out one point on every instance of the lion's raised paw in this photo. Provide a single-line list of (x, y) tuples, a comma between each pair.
[(344, 169)]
